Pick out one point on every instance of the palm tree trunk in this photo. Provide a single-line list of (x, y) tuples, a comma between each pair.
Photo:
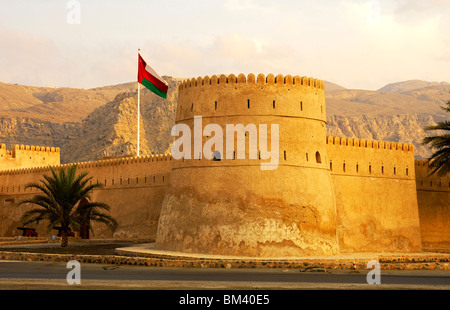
[(64, 239)]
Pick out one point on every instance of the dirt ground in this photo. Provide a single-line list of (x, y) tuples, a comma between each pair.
[(79, 248)]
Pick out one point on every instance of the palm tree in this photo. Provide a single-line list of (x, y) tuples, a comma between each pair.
[(439, 162), (59, 202)]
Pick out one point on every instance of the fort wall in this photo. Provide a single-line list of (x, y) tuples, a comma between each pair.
[(322, 196), (232, 206), (26, 156), (134, 188), (375, 190), (433, 195)]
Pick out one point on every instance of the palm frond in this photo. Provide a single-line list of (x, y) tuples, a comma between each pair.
[(437, 141), (444, 125), (88, 207), (439, 162), (106, 219), (447, 108), (38, 186), (37, 215), (59, 201)]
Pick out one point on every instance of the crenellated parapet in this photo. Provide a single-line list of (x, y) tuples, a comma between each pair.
[(360, 157), (125, 161), (385, 145), (260, 79), (130, 172), (158, 158), (231, 95), (32, 148), (26, 156)]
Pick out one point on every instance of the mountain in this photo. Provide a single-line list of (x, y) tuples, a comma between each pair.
[(396, 112), (406, 128), (87, 124), (111, 129), (426, 100), (58, 105), (329, 86), (405, 86)]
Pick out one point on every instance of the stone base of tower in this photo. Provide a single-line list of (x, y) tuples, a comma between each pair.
[(279, 219)]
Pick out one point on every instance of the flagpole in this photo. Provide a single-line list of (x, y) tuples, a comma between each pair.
[(138, 112)]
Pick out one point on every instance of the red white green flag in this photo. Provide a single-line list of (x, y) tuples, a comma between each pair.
[(151, 80)]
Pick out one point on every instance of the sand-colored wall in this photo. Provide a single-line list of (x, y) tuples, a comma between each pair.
[(26, 156), (133, 187), (232, 206), (327, 195), (433, 195), (375, 190)]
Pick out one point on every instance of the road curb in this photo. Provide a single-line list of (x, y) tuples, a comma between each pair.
[(400, 262)]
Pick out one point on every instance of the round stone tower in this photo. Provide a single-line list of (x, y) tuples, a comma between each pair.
[(251, 205)]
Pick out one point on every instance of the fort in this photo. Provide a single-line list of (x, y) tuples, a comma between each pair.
[(328, 195)]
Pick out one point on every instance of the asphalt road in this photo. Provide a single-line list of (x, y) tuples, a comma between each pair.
[(14, 274), (111, 286)]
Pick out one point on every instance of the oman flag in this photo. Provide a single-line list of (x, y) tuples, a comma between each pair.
[(150, 79)]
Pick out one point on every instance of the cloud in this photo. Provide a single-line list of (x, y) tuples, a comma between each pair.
[(235, 47), (26, 58), (227, 53), (329, 40), (412, 12), (391, 50), (444, 54), (407, 6), (38, 61), (237, 52), (248, 5)]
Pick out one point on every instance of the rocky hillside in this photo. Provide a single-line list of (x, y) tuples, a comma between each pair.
[(402, 87), (101, 122), (111, 129), (57, 105), (87, 124), (397, 112)]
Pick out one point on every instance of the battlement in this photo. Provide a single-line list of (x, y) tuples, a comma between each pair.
[(272, 96), (93, 164), (130, 172), (125, 161), (407, 147), (27, 156), (33, 148), (18, 149), (252, 79), (359, 157)]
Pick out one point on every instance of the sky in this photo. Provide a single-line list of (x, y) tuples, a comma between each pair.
[(359, 44)]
